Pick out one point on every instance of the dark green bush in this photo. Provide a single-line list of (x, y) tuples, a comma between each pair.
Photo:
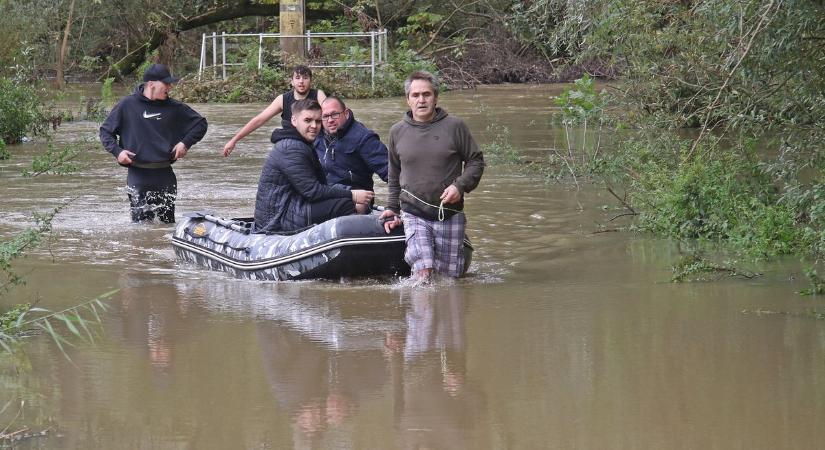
[(20, 111)]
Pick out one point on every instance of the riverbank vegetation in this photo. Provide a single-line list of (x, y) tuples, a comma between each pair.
[(716, 115), (19, 319), (472, 42), (742, 77)]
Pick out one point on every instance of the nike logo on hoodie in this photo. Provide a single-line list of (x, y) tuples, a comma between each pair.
[(155, 116)]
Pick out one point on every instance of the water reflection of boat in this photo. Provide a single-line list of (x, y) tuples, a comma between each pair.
[(345, 246), (339, 319)]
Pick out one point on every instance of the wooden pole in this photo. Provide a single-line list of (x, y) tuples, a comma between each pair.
[(292, 24)]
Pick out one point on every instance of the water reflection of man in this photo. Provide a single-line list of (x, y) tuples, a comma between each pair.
[(433, 162), (439, 407), (320, 388), (150, 315)]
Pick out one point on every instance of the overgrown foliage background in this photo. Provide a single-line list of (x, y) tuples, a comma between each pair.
[(743, 80)]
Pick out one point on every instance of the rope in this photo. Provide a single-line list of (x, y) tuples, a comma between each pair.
[(440, 207)]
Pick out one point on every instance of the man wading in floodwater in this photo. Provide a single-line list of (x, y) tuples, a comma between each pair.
[(433, 162), (147, 132)]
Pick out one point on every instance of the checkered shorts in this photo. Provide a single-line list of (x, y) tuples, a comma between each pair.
[(433, 244)]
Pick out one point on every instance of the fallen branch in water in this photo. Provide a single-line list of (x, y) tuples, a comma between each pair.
[(806, 314), (609, 230), (23, 433), (622, 200), (622, 215)]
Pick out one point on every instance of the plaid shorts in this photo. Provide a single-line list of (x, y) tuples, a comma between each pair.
[(433, 244)]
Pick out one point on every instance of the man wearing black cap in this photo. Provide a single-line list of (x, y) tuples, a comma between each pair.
[(147, 132)]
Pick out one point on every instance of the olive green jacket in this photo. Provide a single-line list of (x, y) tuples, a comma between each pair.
[(425, 158)]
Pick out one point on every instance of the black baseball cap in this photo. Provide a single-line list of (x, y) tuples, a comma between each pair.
[(159, 72)]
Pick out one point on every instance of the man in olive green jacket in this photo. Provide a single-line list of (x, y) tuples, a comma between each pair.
[(433, 162)]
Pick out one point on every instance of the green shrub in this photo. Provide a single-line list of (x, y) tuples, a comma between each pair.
[(500, 149), (20, 111), (728, 198)]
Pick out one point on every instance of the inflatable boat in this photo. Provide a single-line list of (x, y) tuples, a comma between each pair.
[(346, 246)]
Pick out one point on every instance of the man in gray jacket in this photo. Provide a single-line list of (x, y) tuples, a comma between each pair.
[(433, 162)]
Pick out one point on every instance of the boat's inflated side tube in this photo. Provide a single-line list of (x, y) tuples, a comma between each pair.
[(344, 246)]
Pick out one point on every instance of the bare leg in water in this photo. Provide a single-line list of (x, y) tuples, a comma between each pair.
[(424, 275)]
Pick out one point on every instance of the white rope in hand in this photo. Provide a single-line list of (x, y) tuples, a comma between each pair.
[(441, 208)]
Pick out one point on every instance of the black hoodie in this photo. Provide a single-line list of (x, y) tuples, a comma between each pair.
[(150, 128)]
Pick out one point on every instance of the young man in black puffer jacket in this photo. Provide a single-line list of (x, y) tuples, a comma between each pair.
[(292, 191)]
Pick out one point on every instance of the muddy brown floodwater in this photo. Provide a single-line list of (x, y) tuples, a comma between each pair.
[(558, 339)]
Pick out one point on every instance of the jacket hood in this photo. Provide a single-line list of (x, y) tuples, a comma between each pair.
[(439, 114), (287, 133), (139, 94)]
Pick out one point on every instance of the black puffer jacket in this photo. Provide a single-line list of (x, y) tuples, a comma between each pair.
[(291, 179)]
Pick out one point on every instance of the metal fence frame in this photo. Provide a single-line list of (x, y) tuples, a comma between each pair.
[(378, 49)]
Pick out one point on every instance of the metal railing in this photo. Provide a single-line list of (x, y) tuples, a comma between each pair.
[(378, 50)]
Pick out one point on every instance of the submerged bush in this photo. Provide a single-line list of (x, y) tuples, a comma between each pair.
[(250, 85), (245, 86), (731, 197), (738, 72), (20, 111)]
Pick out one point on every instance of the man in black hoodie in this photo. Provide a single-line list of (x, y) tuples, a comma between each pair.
[(147, 132), (293, 192)]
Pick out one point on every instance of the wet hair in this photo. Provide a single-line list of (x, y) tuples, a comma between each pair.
[(337, 99), (305, 104), (302, 70), (420, 75)]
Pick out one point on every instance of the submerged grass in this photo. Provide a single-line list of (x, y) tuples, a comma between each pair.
[(817, 284), (79, 321)]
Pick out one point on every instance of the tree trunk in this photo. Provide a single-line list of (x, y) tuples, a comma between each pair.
[(64, 47)]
